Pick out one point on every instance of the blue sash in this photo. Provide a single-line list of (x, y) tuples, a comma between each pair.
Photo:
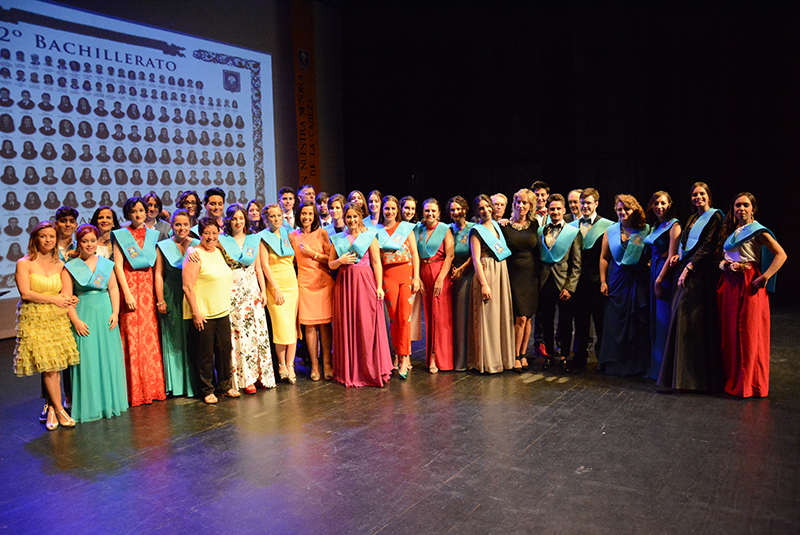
[(599, 227), (461, 239), (280, 246), (88, 279), (360, 245), (138, 258), (330, 229), (245, 255), (661, 229), (61, 254), (696, 230), (497, 243), (748, 232), (428, 248), (172, 254), (629, 255), (395, 241), (560, 247)]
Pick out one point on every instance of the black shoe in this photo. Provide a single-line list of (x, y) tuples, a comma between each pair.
[(547, 364), (565, 365)]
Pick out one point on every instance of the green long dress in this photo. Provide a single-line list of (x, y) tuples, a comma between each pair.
[(179, 372), (99, 387)]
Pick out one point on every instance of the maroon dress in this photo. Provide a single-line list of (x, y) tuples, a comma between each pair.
[(438, 312)]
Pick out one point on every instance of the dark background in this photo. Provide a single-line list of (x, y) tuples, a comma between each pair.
[(447, 97)]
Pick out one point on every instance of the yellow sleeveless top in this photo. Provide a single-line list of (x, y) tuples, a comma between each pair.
[(213, 287)]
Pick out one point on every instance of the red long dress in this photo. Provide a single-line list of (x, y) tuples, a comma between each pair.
[(139, 330), (438, 312)]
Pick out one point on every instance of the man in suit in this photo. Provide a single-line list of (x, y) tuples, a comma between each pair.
[(588, 303), (573, 205), (560, 250)]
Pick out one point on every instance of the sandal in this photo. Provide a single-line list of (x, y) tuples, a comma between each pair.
[(232, 393), (43, 416), (69, 421), (51, 421), (282, 372), (292, 376), (433, 369), (210, 399), (517, 365), (315, 376)]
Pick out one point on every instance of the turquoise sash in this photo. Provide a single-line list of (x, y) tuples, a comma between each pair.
[(62, 256), (395, 241), (139, 258), (661, 229), (195, 231), (360, 245), (560, 247), (630, 254), (330, 229), (461, 238), (172, 254), (748, 232), (599, 227), (696, 230), (245, 255), (280, 246), (497, 243), (428, 248), (88, 279)]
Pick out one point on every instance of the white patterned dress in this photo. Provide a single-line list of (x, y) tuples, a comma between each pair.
[(251, 360)]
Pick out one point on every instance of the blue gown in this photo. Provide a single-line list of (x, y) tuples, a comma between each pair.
[(99, 387), (626, 336), (660, 309)]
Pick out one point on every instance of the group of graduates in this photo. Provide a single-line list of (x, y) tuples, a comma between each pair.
[(159, 308)]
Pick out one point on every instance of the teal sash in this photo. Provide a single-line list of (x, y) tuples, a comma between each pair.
[(395, 241), (748, 232), (280, 246), (428, 248), (88, 279), (195, 231), (697, 229), (245, 255), (62, 256), (629, 255), (497, 243), (139, 258), (172, 254), (461, 238), (599, 227), (560, 247), (330, 229), (360, 245), (661, 229)]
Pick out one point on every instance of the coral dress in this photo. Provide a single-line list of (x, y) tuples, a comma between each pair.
[(438, 312), (314, 279), (398, 274), (360, 343), (44, 334), (140, 339)]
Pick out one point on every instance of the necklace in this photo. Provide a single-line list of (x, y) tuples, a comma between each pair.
[(520, 226)]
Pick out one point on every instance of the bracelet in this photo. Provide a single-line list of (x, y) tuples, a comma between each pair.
[(161, 303), (315, 256)]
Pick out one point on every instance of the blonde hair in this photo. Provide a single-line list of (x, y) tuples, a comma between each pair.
[(528, 196), (33, 245)]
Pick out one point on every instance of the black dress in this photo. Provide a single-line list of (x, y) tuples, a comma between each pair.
[(523, 268), (692, 358)]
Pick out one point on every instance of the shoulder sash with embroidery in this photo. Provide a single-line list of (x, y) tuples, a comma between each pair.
[(461, 238), (397, 239), (84, 276), (428, 248), (630, 254), (245, 255), (360, 245), (172, 254), (280, 246), (497, 244), (138, 258), (560, 247), (659, 230)]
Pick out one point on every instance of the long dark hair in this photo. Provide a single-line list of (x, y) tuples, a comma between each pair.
[(729, 225), (651, 216)]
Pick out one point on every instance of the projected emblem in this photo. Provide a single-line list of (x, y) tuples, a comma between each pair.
[(231, 81)]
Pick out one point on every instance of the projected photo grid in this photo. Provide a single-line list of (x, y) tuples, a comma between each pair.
[(87, 132)]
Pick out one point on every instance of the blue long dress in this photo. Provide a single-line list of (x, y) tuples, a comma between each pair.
[(99, 387), (660, 309), (626, 336)]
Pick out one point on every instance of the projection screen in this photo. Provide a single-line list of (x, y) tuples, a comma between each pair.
[(94, 110)]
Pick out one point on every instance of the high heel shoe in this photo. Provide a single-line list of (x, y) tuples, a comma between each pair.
[(52, 421), (43, 416), (69, 421), (282, 372), (328, 372), (314, 376), (250, 389), (402, 375), (292, 376), (433, 369), (547, 364)]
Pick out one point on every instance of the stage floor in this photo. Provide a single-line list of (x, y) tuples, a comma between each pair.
[(451, 453)]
